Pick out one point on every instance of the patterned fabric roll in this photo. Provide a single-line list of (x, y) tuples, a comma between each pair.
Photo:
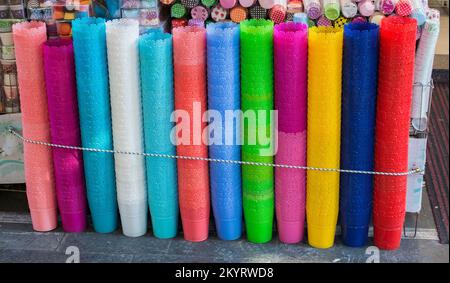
[(178, 10), (199, 12), (209, 3), (323, 21), (218, 13), (313, 8), (258, 12), (387, 7), (340, 22), (277, 14), (238, 14), (403, 8), (366, 8), (190, 3), (349, 8)]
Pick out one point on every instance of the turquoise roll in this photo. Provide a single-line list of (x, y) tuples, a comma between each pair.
[(89, 40), (155, 51)]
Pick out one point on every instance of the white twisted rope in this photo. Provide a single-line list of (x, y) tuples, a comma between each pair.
[(16, 134)]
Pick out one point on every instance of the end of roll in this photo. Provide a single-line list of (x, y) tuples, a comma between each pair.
[(195, 231), (321, 237), (44, 220), (229, 230), (290, 232)]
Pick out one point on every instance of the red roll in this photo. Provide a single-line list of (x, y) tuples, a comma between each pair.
[(395, 80)]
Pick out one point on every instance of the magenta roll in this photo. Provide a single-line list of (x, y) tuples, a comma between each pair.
[(291, 58), (64, 128)]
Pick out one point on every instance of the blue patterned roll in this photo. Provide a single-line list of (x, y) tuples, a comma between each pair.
[(113, 8), (224, 94), (359, 89), (155, 50), (89, 40)]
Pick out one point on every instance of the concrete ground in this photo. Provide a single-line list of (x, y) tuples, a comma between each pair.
[(19, 243)]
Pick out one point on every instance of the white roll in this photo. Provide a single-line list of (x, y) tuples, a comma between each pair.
[(422, 74), (123, 64)]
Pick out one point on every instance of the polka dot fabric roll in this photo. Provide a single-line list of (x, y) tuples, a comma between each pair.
[(238, 14), (218, 13)]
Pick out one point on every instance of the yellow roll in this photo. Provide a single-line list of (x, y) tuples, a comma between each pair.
[(324, 132)]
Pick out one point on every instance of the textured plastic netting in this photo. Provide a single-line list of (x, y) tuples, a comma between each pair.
[(89, 41), (395, 80), (359, 90), (123, 65), (155, 51), (256, 37), (423, 67), (224, 97), (28, 40), (323, 134), (61, 89), (291, 59), (189, 53)]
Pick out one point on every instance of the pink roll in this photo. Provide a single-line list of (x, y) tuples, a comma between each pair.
[(266, 4), (65, 130), (291, 58), (247, 3), (366, 8), (28, 40), (228, 4)]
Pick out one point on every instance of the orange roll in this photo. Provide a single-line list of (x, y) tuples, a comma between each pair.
[(28, 40), (189, 52), (238, 14)]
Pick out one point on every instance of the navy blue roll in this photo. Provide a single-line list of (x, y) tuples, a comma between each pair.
[(359, 89), (224, 94)]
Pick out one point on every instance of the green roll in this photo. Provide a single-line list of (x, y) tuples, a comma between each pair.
[(257, 96), (178, 10), (209, 3)]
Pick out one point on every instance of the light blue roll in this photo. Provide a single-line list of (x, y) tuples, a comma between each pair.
[(224, 94), (89, 40), (155, 51), (300, 18)]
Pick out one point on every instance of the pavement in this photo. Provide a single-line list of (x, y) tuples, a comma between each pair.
[(19, 243)]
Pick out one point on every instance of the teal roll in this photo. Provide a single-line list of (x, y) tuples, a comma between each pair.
[(155, 51), (89, 40)]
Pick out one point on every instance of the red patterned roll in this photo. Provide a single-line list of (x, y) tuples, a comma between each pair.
[(277, 14), (219, 13), (179, 23), (395, 80)]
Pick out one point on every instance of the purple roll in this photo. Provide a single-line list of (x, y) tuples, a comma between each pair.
[(60, 83), (313, 8)]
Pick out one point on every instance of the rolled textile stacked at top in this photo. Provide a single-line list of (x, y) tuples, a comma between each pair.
[(65, 130), (403, 8), (228, 4), (387, 7), (223, 97), (155, 53), (89, 41), (331, 9), (189, 54), (366, 8), (395, 80), (418, 12), (123, 63), (359, 92), (349, 8), (423, 68), (312, 8), (323, 133), (266, 4), (257, 103), (291, 58), (28, 40)]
